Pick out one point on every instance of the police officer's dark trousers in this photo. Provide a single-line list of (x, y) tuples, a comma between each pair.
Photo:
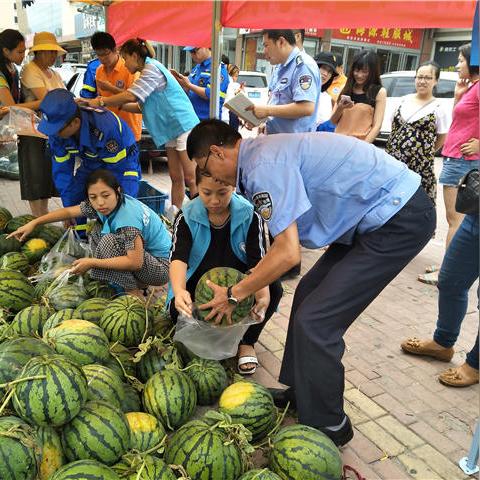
[(343, 282)]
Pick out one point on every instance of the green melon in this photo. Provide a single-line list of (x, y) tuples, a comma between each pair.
[(156, 359), (5, 217), (57, 318), (98, 289), (251, 405), (18, 450), (99, 432), (91, 309), (104, 384), (55, 399), (41, 287), (162, 323), (52, 452), (210, 379), (260, 474), (15, 261), (50, 233), (204, 452), (132, 402), (304, 453), (146, 431), (170, 396), (16, 292), (125, 320), (225, 277), (17, 222), (81, 341), (85, 470), (29, 321), (15, 353), (120, 360), (151, 468), (66, 296), (9, 244), (34, 249)]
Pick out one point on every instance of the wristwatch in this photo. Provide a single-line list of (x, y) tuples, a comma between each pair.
[(231, 299), (101, 102)]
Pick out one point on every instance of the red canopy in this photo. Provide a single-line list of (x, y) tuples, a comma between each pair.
[(184, 22)]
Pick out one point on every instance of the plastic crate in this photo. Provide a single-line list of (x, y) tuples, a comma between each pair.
[(150, 196)]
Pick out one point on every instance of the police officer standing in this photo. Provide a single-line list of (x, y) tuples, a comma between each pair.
[(318, 189), (197, 85), (294, 86), (97, 136)]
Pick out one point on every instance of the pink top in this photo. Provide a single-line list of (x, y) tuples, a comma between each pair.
[(464, 124)]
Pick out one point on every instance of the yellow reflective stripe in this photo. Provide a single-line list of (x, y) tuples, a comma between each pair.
[(119, 156), (73, 151), (93, 155), (130, 174), (223, 95), (81, 227), (62, 159), (89, 88), (119, 122)]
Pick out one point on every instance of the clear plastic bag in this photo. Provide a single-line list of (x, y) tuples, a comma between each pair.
[(210, 341), (22, 121), (66, 291)]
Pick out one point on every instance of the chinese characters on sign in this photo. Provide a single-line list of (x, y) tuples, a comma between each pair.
[(393, 37)]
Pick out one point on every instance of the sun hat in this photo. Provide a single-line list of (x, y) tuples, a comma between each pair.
[(46, 41), (327, 58)]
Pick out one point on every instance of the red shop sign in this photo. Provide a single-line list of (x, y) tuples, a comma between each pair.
[(391, 37)]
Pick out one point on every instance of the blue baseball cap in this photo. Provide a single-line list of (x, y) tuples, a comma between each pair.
[(189, 49), (57, 108)]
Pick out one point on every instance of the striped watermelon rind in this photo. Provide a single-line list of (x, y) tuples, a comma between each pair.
[(16, 292), (104, 384), (91, 309), (251, 405), (9, 244), (132, 402), (98, 289), (210, 379), (170, 396), (34, 249), (66, 296), (146, 432), (58, 317), (52, 452), (55, 399), (81, 468), (50, 233), (99, 432), (304, 453), (120, 360), (150, 468), (225, 277), (156, 359), (5, 217), (260, 474), (15, 261), (30, 320)]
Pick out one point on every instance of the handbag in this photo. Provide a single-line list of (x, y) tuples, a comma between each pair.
[(468, 193)]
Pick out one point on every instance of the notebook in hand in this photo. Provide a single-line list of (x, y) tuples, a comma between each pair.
[(238, 104)]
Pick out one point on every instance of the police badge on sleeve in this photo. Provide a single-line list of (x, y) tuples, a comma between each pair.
[(263, 204), (112, 146), (305, 82)]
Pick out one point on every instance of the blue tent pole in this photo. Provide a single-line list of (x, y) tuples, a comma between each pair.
[(475, 39)]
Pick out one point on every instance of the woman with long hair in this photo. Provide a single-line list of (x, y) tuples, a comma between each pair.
[(361, 105)]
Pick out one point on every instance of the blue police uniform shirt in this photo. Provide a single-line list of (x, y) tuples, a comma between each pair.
[(89, 88), (200, 75), (332, 185), (294, 81)]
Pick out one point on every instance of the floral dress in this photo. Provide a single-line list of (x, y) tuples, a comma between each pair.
[(414, 144)]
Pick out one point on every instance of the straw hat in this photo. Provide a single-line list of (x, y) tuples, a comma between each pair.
[(43, 41)]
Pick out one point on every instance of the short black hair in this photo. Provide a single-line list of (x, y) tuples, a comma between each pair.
[(466, 50), (301, 31), (275, 35), (435, 67), (101, 40), (225, 59), (210, 132), (105, 176)]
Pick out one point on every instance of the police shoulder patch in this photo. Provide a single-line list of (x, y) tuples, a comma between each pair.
[(120, 84), (299, 60), (112, 146), (263, 204), (305, 82)]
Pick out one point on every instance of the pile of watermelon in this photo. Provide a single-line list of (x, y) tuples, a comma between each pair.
[(94, 387)]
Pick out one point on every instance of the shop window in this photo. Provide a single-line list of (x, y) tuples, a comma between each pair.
[(444, 89), (310, 46), (411, 62), (338, 51)]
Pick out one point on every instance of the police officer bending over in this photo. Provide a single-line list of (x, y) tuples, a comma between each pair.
[(318, 189)]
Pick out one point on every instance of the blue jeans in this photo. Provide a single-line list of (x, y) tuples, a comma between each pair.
[(458, 273)]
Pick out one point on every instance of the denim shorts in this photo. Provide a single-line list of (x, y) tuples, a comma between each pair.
[(454, 169)]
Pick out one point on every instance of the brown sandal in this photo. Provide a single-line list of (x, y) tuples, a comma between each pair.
[(459, 376), (416, 346)]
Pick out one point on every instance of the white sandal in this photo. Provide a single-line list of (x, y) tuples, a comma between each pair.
[(244, 361)]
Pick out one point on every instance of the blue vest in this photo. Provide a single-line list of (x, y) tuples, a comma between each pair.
[(133, 213), (168, 113), (196, 217)]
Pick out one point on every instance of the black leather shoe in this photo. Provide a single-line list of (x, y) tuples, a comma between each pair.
[(340, 437), (294, 272), (281, 396)]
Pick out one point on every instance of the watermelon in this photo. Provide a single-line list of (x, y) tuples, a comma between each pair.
[(18, 450), (120, 360), (15, 353), (5, 217), (66, 296), (16, 292), (9, 244), (29, 321), (225, 277), (170, 396), (149, 468), (99, 432), (52, 452), (210, 379), (81, 341), (17, 222), (251, 405), (85, 470), (162, 322), (55, 399), (132, 402), (125, 320), (15, 261), (204, 452), (58, 317), (104, 384), (50, 233), (145, 430), (98, 289), (34, 249), (41, 287), (304, 453), (260, 474), (91, 309), (156, 359)]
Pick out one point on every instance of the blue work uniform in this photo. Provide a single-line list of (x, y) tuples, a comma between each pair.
[(89, 88), (104, 141), (371, 211), (200, 75), (294, 81)]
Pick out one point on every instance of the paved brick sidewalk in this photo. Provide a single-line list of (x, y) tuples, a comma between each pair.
[(407, 425)]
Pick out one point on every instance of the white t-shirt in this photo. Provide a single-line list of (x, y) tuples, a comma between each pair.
[(411, 112), (324, 110), (32, 76)]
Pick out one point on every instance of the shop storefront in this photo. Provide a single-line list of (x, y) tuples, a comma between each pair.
[(445, 47)]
